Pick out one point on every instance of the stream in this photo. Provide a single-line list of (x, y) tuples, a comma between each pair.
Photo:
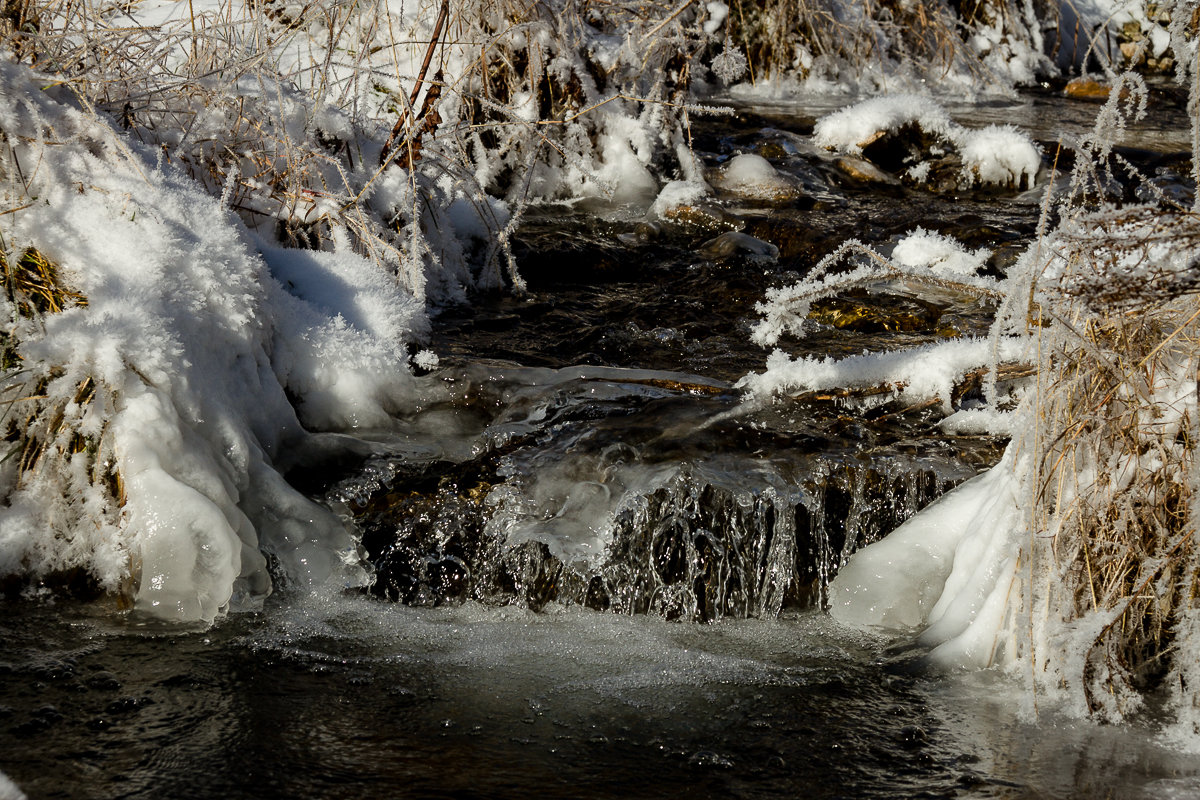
[(598, 572)]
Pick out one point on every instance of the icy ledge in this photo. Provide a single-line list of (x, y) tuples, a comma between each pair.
[(947, 570), (192, 341)]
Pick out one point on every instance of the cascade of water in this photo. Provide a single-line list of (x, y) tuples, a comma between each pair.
[(641, 523)]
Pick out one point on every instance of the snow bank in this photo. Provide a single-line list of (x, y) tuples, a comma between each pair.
[(193, 342)]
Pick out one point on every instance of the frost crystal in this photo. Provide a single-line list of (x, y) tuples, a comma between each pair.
[(426, 359), (729, 65)]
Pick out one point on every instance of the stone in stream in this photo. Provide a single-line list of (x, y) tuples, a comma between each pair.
[(863, 171), (877, 313), (751, 177), (733, 244), (702, 217)]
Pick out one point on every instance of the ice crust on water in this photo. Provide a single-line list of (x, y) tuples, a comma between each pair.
[(193, 340)]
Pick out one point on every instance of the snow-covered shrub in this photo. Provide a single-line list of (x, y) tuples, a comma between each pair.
[(147, 407), (1072, 564)]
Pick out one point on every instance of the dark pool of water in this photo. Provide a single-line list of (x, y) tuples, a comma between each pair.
[(353, 698)]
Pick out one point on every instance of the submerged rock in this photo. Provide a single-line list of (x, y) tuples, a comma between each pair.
[(1087, 89), (734, 243), (702, 217), (877, 313)]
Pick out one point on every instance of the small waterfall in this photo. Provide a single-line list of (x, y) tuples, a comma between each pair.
[(643, 510)]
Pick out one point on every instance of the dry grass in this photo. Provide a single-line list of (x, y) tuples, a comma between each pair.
[(1116, 450), (785, 36), (33, 285)]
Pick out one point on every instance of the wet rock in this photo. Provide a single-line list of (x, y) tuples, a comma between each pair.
[(877, 313), (733, 244), (796, 236), (1004, 257), (863, 171), (702, 217), (895, 151), (1087, 89)]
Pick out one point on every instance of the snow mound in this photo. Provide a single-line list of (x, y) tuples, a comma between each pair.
[(999, 155), (676, 195), (189, 346), (939, 254), (752, 176), (851, 129)]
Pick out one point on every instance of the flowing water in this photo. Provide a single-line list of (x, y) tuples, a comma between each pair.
[(599, 573)]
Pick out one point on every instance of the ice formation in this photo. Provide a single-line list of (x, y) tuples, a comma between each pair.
[(752, 176), (995, 154)]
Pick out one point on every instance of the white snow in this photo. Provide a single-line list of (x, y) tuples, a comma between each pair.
[(999, 155), (752, 176), (678, 194), (850, 128), (9, 790), (939, 254), (717, 12), (991, 155), (191, 344)]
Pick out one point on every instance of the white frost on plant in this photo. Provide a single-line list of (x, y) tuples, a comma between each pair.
[(940, 254), (426, 360), (729, 65), (914, 375)]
